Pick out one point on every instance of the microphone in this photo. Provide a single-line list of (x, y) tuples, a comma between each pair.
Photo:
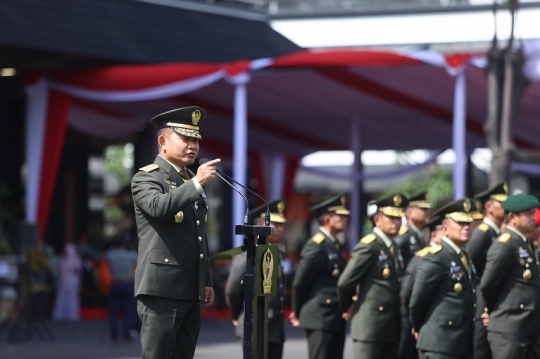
[(219, 173), (246, 216)]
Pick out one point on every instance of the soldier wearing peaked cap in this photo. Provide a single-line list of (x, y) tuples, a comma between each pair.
[(314, 296), (234, 290), (481, 239), (409, 238), (443, 299), (407, 343), (511, 285), (173, 279), (375, 268)]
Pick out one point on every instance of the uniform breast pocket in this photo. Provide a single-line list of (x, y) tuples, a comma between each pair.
[(450, 321), (165, 257)]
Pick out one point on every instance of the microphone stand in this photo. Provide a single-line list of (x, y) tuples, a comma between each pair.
[(255, 302)]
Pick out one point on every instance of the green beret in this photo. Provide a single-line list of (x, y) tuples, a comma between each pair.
[(520, 202)]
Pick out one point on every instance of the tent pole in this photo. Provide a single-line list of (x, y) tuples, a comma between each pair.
[(458, 135), (356, 184), (239, 150)]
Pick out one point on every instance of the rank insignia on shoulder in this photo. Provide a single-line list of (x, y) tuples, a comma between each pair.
[(149, 168), (422, 252), (318, 238), (503, 238), (434, 249), (368, 239), (483, 227), (403, 230)]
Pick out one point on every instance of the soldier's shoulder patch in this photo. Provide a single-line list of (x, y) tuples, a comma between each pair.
[(503, 238), (318, 238), (435, 249), (149, 168), (483, 227), (422, 252), (403, 230), (368, 239)]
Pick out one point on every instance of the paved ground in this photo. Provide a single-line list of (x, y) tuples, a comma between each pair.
[(88, 339)]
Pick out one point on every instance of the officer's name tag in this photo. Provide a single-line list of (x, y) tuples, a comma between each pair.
[(455, 269), (523, 253), (332, 256), (383, 257)]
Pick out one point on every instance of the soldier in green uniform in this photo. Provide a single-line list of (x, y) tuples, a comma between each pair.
[(234, 290), (375, 268), (173, 277), (481, 239), (314, 295), (407, 343), (443, 299), (511, 285), (409, 239)]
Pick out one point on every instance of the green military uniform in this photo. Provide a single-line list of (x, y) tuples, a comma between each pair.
[(173, 264), (314, 295), (407, 343), (409, 239), (481, 239), (511, 289), (443, 299), (375, 268), (234, 290)]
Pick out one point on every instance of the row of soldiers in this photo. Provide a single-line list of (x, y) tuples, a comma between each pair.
[(467, 293)]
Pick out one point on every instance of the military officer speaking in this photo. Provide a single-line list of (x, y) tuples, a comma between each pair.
[(234, 290), (314, 295), (481, 239), (443, 299), (511, 285), (375, 268), (173, 277)]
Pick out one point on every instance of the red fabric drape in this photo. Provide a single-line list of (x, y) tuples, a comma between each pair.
[(55, 131)]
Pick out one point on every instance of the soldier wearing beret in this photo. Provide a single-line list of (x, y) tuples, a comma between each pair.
[(409, 238), (314, 295), (511, 285), (443, 299), (375, 268), (173, 279), (234, 290), (481, 239), (407, 343)]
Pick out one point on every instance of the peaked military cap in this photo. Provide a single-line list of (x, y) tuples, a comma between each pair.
[(499, 192), (434, 223), (392, 205), (336, 204), (184, 121), (520, 203), (460, 210), (478, 214), (276, 209), (420, 201)]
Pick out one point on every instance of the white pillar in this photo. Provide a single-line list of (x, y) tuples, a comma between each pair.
[(277, 176), (356, 148), (239, 151), (36, 120), (458, 135)]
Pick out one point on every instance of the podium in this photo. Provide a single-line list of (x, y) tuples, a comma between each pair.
[(260, 281)]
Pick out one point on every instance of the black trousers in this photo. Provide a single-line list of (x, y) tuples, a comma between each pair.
[(325, 344), (370, 350), (505, 346), (170, 328)]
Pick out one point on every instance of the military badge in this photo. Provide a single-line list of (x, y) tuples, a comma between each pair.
[(195, 117), (527, 274), (386, 272), (179, 217), (397, 200), (467, 206), (458, 288)]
